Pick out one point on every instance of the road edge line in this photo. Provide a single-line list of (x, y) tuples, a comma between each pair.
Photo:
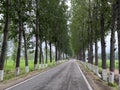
[(88, 84), (17, 84)]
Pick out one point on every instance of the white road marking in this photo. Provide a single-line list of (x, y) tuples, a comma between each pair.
[(89, 86), (30, 78)]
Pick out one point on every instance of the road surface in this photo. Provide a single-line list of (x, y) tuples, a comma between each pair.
[(66, 76)]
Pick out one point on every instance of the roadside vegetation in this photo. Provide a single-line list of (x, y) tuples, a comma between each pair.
[(91, 22), (32, 27), (10, 68)]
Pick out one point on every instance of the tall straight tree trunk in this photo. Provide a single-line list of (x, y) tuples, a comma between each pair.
[(5, 37), (36, 35), (25, 48), (50, 52), (46, 52), (91, 55), (89, 41), (112, 47), (96, 56), (104, 74), (83, 48), (60, 57), (83, 55), (63, 55), (88, 54), (40, 56), (56, 53), (118, 31), (96, 41), (59, 54), (19, 45)]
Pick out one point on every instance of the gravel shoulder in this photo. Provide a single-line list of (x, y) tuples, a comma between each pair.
[(95, 81)]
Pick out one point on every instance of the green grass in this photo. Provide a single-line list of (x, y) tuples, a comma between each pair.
[(112, 84), (107, 63), (9, 67)]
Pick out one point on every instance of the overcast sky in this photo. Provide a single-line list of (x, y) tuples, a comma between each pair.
[(107, 39)]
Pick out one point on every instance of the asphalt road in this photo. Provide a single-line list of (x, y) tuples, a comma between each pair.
[(66, 76)]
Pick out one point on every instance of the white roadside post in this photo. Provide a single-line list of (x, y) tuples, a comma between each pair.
[(35, 66), (46, 65), (1, 74), (27, 69), (111, 77), (104, 74), (96, 70), (119, 80), (17, 71)]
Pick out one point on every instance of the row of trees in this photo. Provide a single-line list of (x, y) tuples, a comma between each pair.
[(29, 23), (91, 21)]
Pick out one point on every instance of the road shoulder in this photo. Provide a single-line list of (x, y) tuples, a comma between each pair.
[(95, 82), (8, 83)]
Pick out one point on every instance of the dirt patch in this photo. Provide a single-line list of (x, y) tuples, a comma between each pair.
[(95, 81)]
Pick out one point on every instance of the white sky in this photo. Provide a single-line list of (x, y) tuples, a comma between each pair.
[(107, 39)]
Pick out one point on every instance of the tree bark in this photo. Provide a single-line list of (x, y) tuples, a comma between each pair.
[(46, 52), (5, 35), (103, 47), (96, 41), (112, 43), (50, 52), (91, 52), (56, 53), (25, 51), (5, 38), (118, 30), (103, 41), (63, 55), (36, 35), (84, 55), (112, 46), (40, 47), (96, 52), (19, 44), (25, 48)]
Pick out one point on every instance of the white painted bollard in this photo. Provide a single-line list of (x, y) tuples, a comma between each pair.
[(104, 74), (92, 67), (46, 65), (96, 70), (42, 65), (27, 69), (119, 80), (17, 71), (35, 66), (60, 61), (111, 77), (57, 62), (1, 74)]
